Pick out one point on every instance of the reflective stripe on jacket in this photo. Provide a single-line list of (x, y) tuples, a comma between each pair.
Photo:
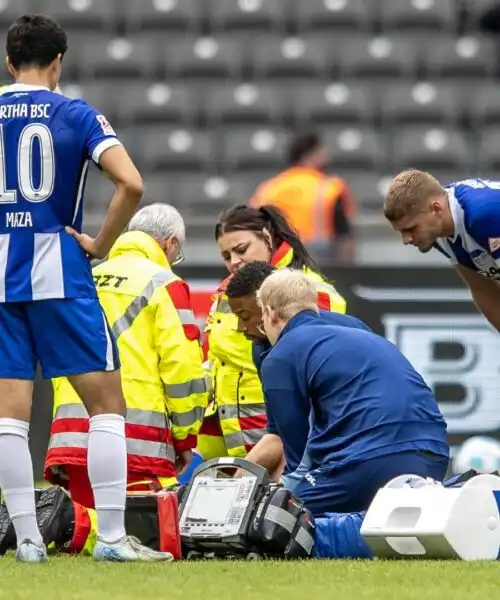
[(239, 401), (163, 382)]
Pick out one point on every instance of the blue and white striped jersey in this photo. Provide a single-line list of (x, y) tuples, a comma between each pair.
[(46, 143), (475, 208)]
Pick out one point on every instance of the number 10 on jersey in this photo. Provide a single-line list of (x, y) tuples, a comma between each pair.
[(24, 160)]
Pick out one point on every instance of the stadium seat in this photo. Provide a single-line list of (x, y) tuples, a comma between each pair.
[(159, 187), (244, 103), (73, 58), (421, 102), (148, 102), (388, 83), (11, 9), (99, 95), (355, 148), (419, 16), (77, 15), (212, 194), (447, 176), (206, 57), (118, 57), (473, 10), (429, 149), (247, 15), (488, 155), (334, 15), (465, 57), (252, 178), (99, 190), (379, 57), (162, 15), (333, 103), (254, 148), (292, 57), (131, 138), (368, 189), (485, 106), (176, 148)]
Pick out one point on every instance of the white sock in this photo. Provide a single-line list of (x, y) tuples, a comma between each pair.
[(107, 467), (16, 479)]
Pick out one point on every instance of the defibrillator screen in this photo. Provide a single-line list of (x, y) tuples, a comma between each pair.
[(212, 504)]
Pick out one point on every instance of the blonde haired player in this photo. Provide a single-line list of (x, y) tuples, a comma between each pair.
[(461, 220)]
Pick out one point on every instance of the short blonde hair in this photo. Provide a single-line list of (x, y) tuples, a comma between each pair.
[(407, 193), (288, 292)]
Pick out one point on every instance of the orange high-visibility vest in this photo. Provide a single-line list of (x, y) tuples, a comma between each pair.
[(307, 198)]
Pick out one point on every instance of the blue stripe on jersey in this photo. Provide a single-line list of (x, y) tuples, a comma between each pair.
[(18, 273), (46, 141), (437, 247), (75, 261)]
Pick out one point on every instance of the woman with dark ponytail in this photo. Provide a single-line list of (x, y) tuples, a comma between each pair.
[(236, 420), (266, 225)]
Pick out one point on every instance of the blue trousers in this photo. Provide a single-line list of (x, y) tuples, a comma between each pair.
[(351, 488)]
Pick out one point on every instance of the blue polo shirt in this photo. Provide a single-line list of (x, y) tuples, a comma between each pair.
[(367, 400), (259, 350), (297, 445)]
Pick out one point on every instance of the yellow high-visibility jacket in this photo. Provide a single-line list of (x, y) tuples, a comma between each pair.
[(149, 310), (238, 397)]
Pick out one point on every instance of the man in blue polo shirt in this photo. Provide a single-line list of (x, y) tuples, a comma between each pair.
[(242, 297), (373, 416)]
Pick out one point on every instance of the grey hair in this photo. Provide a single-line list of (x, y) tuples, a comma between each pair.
[(160, 221)]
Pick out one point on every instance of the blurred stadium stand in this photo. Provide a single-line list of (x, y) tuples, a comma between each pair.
[(205, 93)]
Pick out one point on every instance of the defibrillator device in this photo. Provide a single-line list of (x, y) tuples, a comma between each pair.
[(248, 516)]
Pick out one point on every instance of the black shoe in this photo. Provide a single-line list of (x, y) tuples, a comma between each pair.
[(7, 533), (55, 516)]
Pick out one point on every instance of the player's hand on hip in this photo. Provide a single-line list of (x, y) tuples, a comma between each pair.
[(87, 243)]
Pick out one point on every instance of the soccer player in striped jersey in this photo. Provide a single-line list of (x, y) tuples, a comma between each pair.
[(461, 220), (49, 311)]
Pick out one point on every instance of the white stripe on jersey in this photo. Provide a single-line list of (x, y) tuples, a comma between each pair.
[(460, 235), (104, 145), (110, 359), (81, 190), (4, 255), (47, 277)]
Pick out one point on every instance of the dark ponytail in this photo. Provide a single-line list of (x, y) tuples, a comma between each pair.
[(244, 218)]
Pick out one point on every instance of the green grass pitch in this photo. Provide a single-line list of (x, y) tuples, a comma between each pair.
[(78, 578)]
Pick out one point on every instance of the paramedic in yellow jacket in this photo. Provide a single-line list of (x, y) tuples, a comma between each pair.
[(149, 311), (236, 417)]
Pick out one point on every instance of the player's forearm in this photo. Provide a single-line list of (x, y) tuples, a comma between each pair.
[(268, 453), (121, 209), (487, 301), (485, 293)]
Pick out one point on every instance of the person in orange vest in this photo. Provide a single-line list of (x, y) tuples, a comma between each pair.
[(318, 206)]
